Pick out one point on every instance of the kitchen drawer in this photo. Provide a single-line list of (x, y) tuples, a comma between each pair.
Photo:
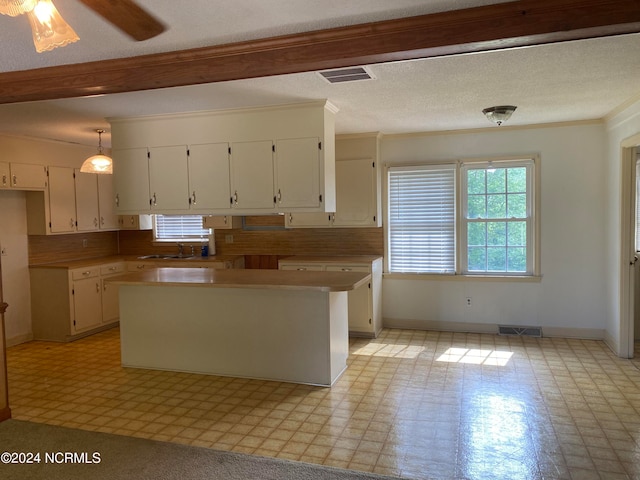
[(349, 268), (80, 273), (112, 268), (301, 267)]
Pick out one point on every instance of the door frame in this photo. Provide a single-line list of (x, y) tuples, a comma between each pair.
[(627, 245)]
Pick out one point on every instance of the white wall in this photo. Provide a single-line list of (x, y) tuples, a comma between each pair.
[(570, 299), (13, 226)]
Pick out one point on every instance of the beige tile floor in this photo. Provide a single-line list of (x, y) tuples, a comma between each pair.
[(411, 403)]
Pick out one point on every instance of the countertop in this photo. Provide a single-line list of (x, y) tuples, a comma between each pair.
[(89, 262), (237, 278)]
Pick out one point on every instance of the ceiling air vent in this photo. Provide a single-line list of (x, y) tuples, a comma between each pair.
[(346, 75)]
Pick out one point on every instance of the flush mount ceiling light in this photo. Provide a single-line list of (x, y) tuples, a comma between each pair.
[(499, 114), (99, 163)]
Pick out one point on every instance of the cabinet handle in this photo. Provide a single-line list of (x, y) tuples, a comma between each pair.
[(140, 267), (95, 222), (117, 199), (154, 200), (235, 197), (104, 288), (86, 273), (132, 220), (225, 219), (97, 287), (301, 268), (101, 220), (111, 269), (290, 218), (4, 180), (333, 217), (71, 223), (194, 197), (345, 269), (279, 196), (15, 180)]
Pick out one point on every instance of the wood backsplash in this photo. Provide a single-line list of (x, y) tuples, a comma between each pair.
[(57, 248), (307, 241)]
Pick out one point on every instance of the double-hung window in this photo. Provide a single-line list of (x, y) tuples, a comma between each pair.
[(179, 228), (470, 218)]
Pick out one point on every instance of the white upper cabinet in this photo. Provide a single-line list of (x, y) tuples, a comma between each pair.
[(252, 176), (168, 179), (62, 200), (239, 162), (209, 177), (356, 193), (131, 180), (23, 176), (87, 210), (297, 170), (106, 203)]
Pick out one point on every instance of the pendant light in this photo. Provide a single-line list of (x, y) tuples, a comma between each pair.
[(99, 163)]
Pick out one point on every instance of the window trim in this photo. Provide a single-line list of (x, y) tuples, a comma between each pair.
[(534, 276), (200, 240)]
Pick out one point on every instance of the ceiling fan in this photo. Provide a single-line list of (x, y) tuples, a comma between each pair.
[(50, 30)]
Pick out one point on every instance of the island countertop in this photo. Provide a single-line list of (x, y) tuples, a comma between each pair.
[(240, 278)]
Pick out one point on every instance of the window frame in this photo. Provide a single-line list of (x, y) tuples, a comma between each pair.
[(464, 220), (200, 239), (533, 254)]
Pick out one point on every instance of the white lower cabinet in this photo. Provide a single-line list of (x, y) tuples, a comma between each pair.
[(67, 304), (365, 302)]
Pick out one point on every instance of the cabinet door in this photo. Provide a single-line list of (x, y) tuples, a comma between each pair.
[(5, 175), (209, 177), (106, 203), (87, 304), (297, 173), (360, 300), (356, 193), (308, 220), (131, 180), (62, 200), (252, 175), (168, 179), (87, 213), (25, 176)]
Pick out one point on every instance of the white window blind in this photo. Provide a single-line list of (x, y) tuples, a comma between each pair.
[(179, 228), (421, 221)]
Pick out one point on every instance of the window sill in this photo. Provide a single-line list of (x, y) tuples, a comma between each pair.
[(464, 278)]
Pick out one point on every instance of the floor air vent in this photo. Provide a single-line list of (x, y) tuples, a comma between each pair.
[(346, 75), (520, 331)]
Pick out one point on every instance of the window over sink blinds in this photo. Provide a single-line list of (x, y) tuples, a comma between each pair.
[(179, 227), (421, 222)]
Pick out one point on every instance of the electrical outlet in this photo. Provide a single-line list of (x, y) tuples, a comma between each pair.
[(467, 301), (228, 239)]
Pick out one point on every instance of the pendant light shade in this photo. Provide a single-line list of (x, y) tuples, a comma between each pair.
[(99, 163), (48, 27), (499, 114)]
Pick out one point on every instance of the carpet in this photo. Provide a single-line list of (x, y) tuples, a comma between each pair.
[(59, 453)]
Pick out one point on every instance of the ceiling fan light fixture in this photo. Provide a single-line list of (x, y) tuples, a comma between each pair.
[(98, 163), (499, 114), (13, 8), (48, 27)]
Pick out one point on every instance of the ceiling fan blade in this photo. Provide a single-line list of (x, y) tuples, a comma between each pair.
[(128, 17)]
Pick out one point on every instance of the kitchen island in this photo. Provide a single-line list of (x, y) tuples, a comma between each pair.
[(268, 324)]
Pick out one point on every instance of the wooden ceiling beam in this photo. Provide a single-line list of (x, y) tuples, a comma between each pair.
[(504, 25)]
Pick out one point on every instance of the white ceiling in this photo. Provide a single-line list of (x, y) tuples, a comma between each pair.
[(580, 80)]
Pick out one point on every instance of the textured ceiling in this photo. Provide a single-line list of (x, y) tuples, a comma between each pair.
[(580, 80)]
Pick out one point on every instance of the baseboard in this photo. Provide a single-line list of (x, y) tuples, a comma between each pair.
[(13, 341), (465, 327), (5, 414)]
